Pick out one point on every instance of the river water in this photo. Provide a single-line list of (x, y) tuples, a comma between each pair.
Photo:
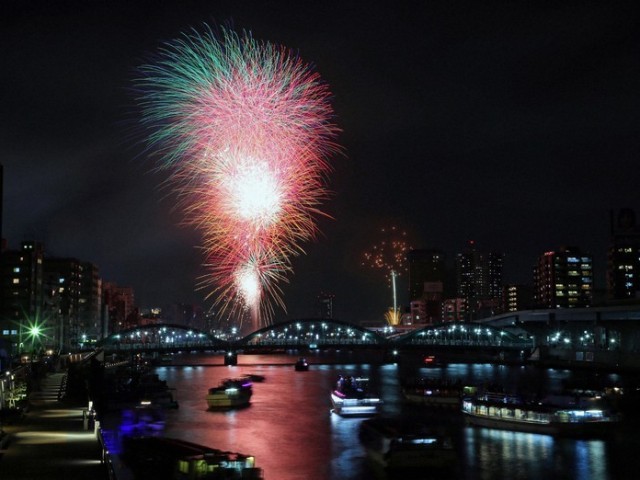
[(293, 435)]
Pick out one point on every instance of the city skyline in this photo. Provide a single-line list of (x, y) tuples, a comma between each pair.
[(514, 126)]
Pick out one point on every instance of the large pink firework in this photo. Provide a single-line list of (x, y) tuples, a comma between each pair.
[(245, 127)]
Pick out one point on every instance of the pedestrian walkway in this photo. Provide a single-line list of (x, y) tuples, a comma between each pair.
[(52, 440)]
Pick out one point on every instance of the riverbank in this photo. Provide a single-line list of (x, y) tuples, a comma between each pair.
[(53, 439)]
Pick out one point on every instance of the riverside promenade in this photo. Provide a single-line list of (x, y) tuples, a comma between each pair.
[(53, 440)]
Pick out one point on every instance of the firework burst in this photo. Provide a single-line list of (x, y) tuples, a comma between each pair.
[(245, 129), (389, 254)]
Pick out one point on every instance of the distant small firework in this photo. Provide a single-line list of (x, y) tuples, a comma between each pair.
[(389, 256), (245, 129), (389, 253)]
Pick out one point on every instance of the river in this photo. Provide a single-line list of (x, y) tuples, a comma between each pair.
[(293, 435)]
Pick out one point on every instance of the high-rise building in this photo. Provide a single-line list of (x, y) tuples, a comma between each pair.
[(563, 279), (516, 297), (623, 266), (479, 280), (427, 280), (21, 275), (118, 307), (425, 266), (72, 299), (453, 310)]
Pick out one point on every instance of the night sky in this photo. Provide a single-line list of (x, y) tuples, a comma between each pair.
[(515, 124)]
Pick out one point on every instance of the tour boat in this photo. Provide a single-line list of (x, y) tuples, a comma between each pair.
[(396, 445), (302, 365), (231, 393), (162, 457), (554, 415), (351, 396), (436, 393), (432, 361)]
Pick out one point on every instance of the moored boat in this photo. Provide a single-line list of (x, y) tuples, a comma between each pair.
[(396, 445), (163, 458), (436, 393), (301, 365), (351, 397), (553, 415), (231, 393)]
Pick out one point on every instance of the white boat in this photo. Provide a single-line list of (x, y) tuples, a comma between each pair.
[(555, 415), (231, 393), (396, 445), (351, 397)]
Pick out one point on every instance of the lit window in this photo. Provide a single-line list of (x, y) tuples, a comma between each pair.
[(16, 269), (16, 281)]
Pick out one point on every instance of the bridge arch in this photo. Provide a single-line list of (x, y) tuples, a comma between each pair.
[(162, 337), (312, 333), (463, 334)]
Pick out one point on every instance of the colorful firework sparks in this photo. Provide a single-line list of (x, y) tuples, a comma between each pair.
[(389, 254), (245, 129), (393, 317)]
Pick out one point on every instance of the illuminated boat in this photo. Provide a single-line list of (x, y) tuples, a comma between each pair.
[(436, 393), (172, 459), (554, 415), (351, 397), (432, 361), (231, 393), (396, 445), (302, 365)]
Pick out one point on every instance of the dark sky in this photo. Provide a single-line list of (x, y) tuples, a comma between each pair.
[(516, 124)]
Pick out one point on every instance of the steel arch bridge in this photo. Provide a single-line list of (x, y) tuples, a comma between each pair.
[(164, 337), (463, 335), (312, 333)]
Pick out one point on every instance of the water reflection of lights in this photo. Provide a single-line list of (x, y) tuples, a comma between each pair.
[(509, 445), (514, 450), (590, 459), (345, 451)]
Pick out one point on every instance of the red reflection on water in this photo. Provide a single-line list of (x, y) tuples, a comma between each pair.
[(288, 426)]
